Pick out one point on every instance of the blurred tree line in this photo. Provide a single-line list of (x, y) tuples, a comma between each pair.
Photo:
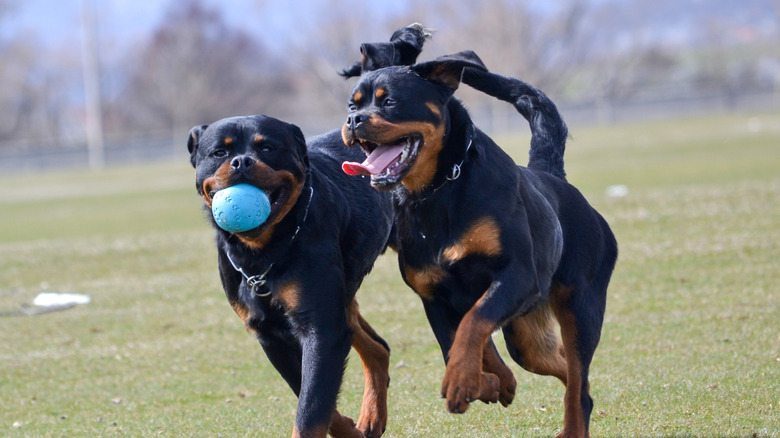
[(196, 66)]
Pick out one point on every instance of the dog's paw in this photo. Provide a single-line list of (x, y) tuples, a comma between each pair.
[(492, 363), (490, 388), (372, 424), (460, 388), (507, 389), (342, 426), (373, 411)]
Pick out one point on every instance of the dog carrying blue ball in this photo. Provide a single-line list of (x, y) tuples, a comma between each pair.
[(240, 208), (292, 278)]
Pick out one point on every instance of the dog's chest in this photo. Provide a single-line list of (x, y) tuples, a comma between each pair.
[(422, 234), (438, 255)]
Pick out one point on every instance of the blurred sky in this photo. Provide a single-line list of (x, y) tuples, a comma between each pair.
[(122, 22), (55, 21)]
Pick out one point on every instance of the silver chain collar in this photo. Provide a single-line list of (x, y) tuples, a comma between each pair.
[(256, 282), (456, 169)]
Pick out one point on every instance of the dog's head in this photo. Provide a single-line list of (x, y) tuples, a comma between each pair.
[(258, 150), (398, 116)]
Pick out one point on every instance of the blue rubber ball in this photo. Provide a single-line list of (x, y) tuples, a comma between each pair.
[(240, 208)]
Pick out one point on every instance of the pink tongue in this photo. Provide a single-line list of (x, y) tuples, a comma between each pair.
[(376, 162)]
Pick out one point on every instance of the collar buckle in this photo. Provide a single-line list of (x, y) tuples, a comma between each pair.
[(258, 283)]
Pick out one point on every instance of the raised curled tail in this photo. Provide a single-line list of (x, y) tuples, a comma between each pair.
[(548, 131)]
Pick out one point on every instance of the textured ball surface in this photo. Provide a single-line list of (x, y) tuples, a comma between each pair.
[(240, 208)]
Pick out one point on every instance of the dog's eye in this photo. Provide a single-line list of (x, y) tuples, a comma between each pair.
[(266, 149), (389, 103), (219, 153), (351, 107)]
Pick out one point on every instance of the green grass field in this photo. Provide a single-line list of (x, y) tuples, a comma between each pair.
[(690, 347)]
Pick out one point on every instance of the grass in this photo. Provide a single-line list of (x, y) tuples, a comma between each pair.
[(690, 347)]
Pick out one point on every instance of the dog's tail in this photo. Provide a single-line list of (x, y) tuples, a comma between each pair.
[(548, 131)]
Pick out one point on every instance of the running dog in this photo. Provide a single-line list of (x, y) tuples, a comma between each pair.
[(485, 243), (293, 279)]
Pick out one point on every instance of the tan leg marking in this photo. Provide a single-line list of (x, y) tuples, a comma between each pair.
[(376, 364)]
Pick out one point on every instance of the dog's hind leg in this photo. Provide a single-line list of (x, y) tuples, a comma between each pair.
[(375, 356), (580, 319), (533, 342)]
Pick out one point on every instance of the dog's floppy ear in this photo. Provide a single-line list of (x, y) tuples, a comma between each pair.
[(404, 47), (448, 70), (376, 56), (300, 144), (193, 140)]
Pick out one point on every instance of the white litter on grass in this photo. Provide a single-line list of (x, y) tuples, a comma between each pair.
[(617, 191), (50, 299)]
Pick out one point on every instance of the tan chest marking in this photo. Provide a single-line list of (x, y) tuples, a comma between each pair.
[(483, 238), (425, 280), (289, 295)]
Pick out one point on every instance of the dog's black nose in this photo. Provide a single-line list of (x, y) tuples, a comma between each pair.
[(242, 162), (355, 120)]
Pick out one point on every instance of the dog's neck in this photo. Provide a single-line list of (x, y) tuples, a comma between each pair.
[(254, 266), (457, 141), (457, 136), (290, 225)]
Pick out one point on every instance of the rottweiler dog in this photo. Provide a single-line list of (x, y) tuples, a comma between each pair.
[(485, 243), (293, 279)]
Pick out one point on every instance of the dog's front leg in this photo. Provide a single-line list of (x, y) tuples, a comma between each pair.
[(464, 381), (492, 363), (325, 343)]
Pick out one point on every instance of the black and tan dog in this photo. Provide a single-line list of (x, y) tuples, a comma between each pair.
[(293, 279), (485, 243)]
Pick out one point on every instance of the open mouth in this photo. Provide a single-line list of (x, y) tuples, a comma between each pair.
[(387, 163), (277, 198)]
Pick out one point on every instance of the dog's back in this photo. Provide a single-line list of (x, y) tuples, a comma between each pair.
[(582, 226), (587, 256), (370, 212)]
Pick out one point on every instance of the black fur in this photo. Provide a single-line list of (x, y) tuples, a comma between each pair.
[(322, 237), (314, 272), (548, 142), (488, 244)]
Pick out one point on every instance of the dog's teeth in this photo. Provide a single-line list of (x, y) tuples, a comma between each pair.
[(404, 154)]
